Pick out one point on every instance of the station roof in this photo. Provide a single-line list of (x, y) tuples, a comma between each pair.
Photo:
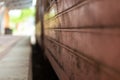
[(16, 4)]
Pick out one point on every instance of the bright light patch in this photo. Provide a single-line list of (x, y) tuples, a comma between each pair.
[(52, 12), (2, 3), (34, 3), (15, 13)]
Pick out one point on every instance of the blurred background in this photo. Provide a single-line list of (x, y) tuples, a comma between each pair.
[(17, 18)]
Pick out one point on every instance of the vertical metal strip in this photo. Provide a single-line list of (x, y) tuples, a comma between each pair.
[(42, 24)]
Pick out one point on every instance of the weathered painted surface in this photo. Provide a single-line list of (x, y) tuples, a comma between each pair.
[(82, 38)]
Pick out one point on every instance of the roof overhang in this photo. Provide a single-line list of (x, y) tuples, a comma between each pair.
[(17, 4)]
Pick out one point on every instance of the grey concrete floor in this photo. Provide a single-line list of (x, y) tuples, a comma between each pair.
[(16, 62), (14, 58)]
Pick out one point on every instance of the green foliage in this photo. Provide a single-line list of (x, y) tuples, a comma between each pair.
[(25, 13)]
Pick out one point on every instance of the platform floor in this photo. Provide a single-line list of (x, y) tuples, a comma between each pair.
[(15, 58), (21, 61)]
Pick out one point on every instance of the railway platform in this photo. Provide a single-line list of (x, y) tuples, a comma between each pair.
[(15, 58), (19, 60)]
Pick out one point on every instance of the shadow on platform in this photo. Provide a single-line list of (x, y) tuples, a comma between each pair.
[(42, 69)]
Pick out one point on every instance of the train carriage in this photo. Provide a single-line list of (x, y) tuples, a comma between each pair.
[(81, 37)]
